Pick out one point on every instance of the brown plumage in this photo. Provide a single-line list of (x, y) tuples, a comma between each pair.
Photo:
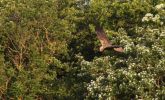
[(105, 42)]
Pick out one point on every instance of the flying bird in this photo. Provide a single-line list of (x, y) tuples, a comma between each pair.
[(105, 42)]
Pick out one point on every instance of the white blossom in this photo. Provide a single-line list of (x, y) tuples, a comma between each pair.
[(147, 17), (160, 6)]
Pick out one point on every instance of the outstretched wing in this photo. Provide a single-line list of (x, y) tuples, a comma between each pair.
[(102, 37), (119, 49)]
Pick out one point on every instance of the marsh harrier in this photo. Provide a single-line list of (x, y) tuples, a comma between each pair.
[(105, 42)]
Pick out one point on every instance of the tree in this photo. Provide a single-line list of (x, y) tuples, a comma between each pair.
[(49, 49)]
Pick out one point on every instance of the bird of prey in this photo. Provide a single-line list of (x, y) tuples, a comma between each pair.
[(105, 42)]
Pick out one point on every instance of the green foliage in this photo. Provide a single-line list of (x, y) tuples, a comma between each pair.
[(138, 74), (49, 49)]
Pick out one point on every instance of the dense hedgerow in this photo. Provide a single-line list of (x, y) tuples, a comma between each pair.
[(49, 49)]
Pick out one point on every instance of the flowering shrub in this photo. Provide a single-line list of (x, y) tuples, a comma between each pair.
[(139, 73), (49, 50)]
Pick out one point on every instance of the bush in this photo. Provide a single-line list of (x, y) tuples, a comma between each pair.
[(49, 49)]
